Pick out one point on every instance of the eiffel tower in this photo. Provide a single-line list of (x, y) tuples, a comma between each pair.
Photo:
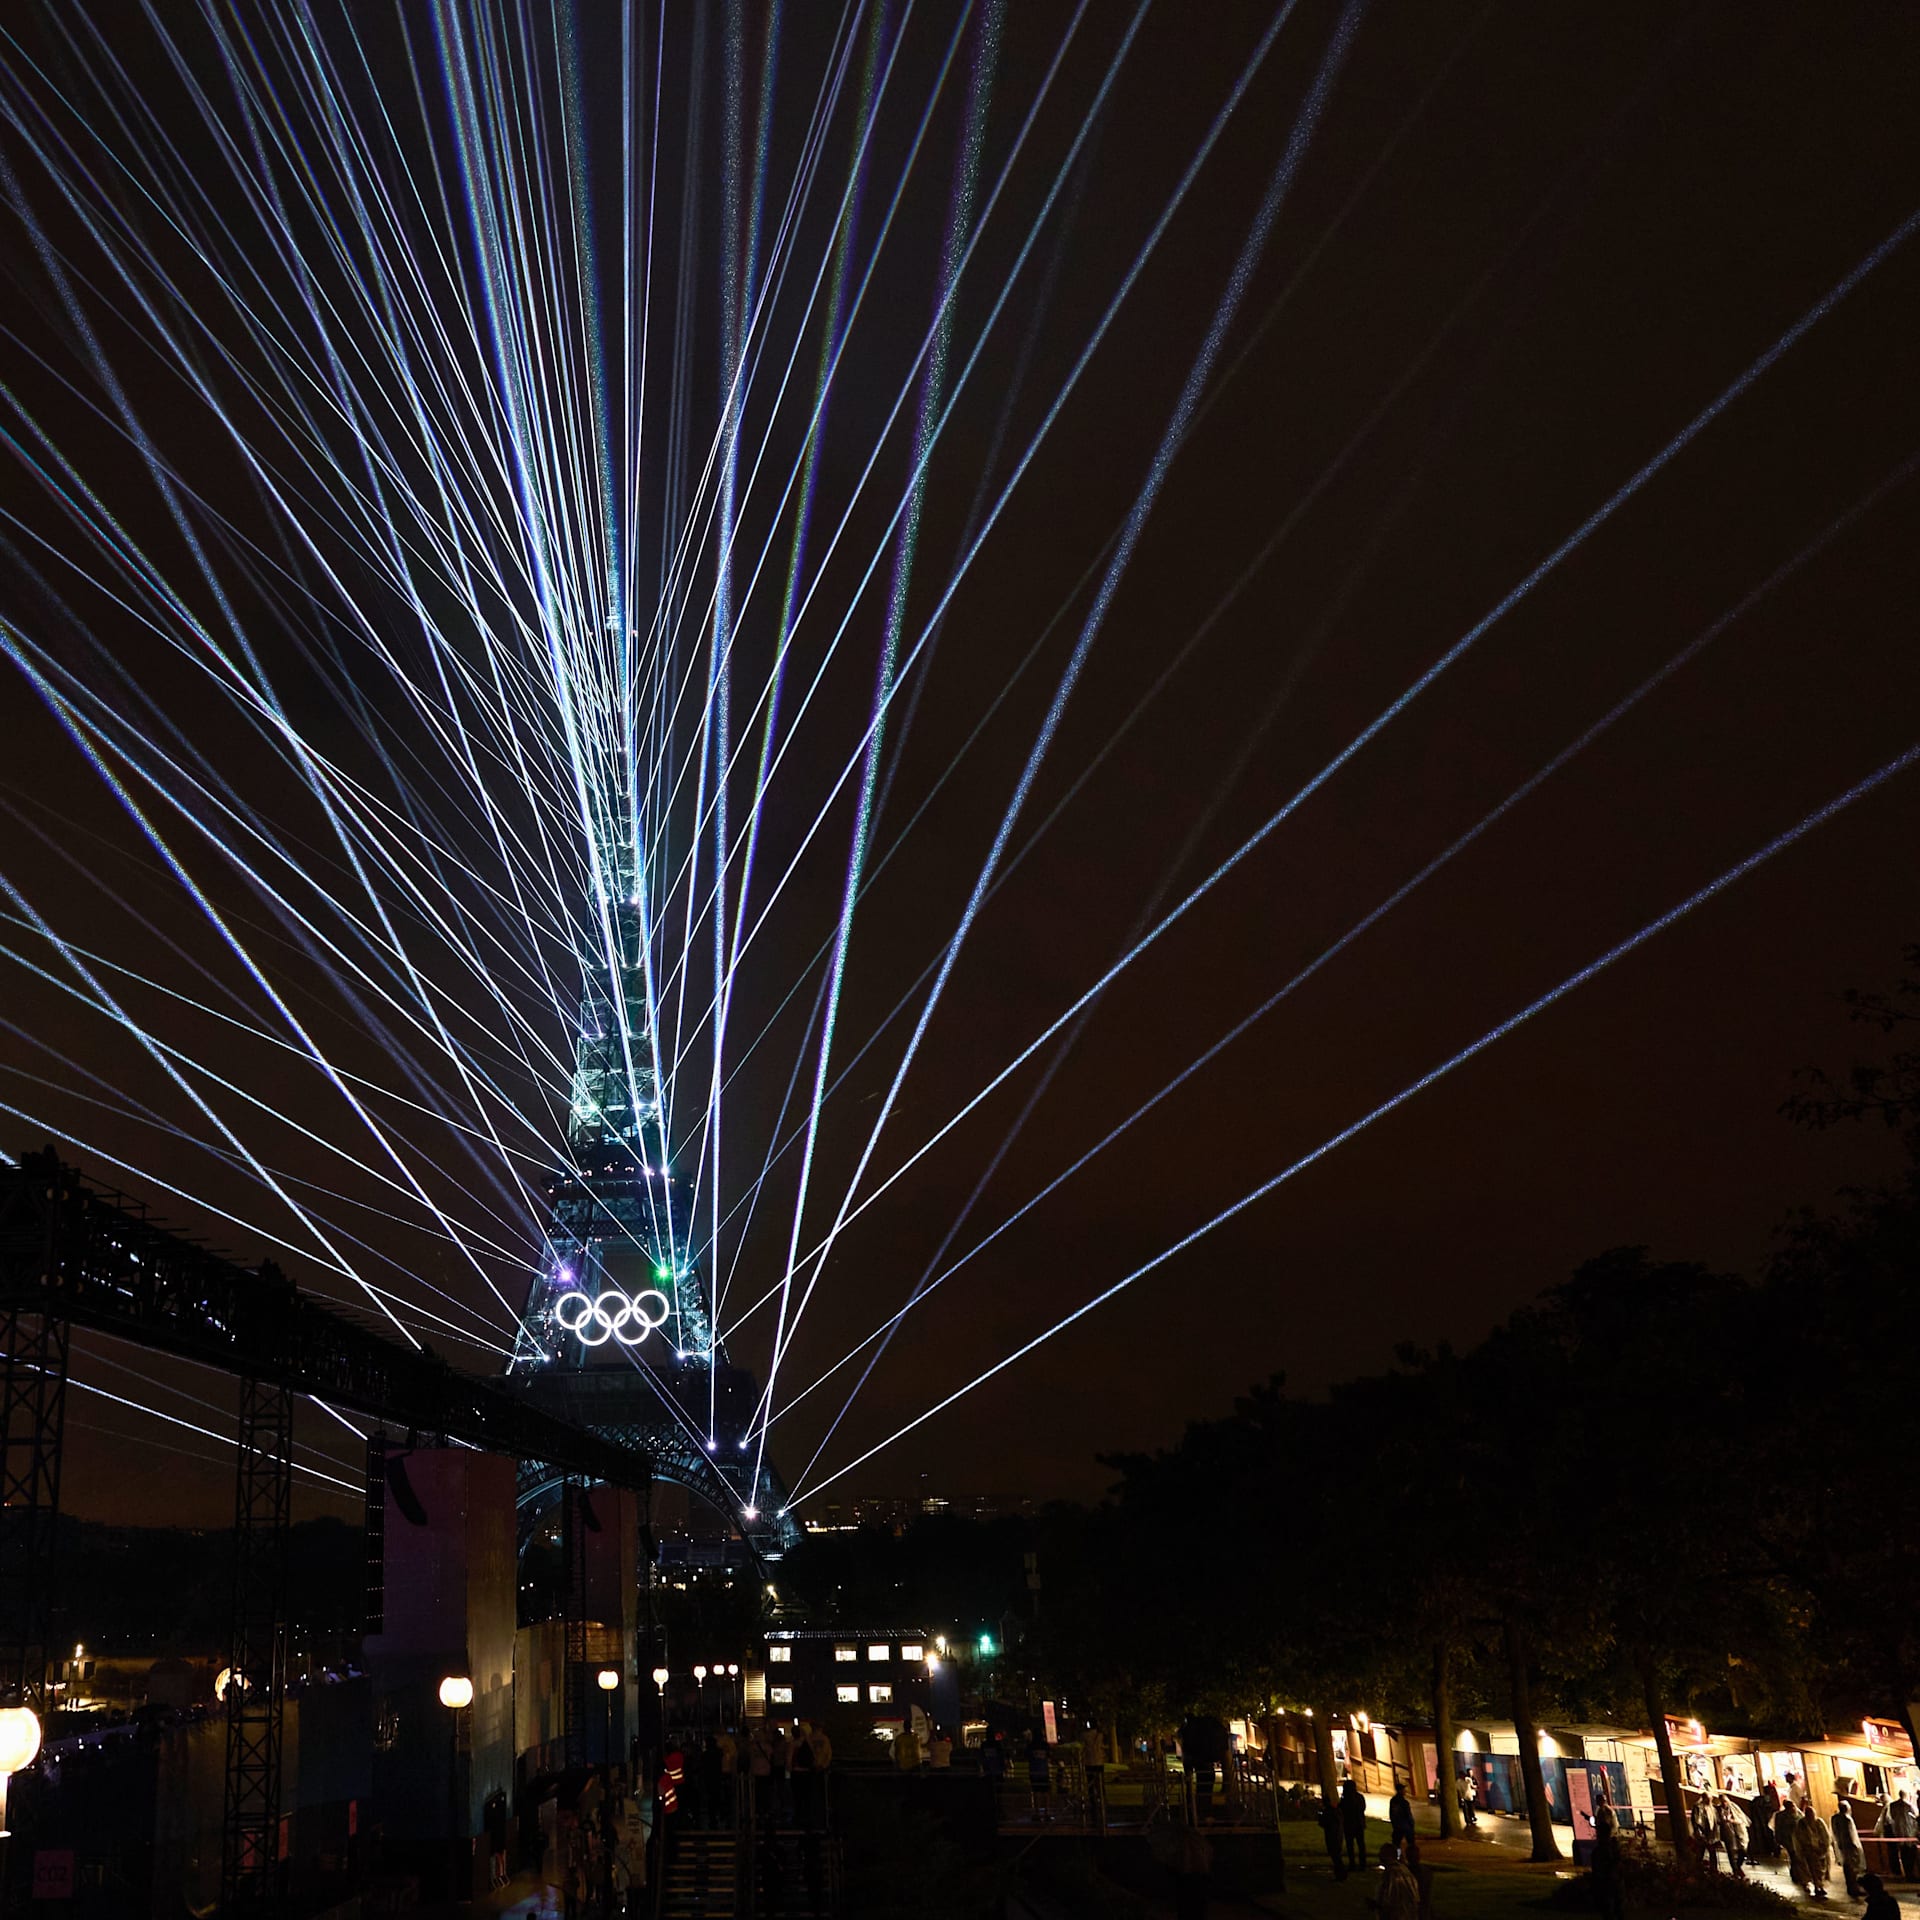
[(617, 1334)]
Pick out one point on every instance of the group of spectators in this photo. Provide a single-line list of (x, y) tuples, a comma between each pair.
[(603, 1850), (785, 1772), (1779, 1823)]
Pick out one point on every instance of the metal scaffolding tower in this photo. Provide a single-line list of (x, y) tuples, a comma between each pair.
[(257, 1661)]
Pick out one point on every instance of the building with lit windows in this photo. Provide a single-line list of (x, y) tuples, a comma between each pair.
[(878, 1673)]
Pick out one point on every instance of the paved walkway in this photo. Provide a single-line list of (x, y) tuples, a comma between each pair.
[(1503, 1836)]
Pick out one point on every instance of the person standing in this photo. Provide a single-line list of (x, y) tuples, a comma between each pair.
[(495, 1815), (1196, 1754), (940, 1751), (806, 1778), (1353, 1822), (1192, 1864), (1330, 1833), (1469, 1793), (760, 1772), (780, 1754), (1608, 1900), (993, 1765), (1093, 1756), (1846, 1843), (716, 1806), (1760, 1841), (1900, 1825), (1039, 1778), (1881, 1905), (1399, 1894)]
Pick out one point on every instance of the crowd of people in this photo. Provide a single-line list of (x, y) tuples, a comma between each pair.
[(603, 1850), (1779, 1825)]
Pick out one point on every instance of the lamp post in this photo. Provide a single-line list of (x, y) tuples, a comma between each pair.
[(699, 1696), (609, 1678), (659, 1713), (733, 1684), (456, 1695)]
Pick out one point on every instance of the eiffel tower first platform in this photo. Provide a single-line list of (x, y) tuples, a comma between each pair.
[(618, 1332)]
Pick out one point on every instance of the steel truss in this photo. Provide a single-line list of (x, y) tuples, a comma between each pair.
[(33, 1402), (257, 1663), (91, 1256)]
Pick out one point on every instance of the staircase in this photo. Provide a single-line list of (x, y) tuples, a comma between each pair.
[(705, 1876), (797, 1875)]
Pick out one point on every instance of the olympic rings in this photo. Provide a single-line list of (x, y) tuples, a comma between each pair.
[(609, 1315)]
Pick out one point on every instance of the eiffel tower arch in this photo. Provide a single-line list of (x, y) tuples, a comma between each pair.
[(618, 1332)]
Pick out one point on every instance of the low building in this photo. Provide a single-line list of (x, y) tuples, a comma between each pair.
[(878, 1673)]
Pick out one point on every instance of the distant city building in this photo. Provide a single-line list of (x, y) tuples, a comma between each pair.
[(897, 1510)]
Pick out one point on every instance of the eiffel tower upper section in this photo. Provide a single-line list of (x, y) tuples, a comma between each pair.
[(617, 1226)]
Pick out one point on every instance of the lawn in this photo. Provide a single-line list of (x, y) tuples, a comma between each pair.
[(1459, 1892)]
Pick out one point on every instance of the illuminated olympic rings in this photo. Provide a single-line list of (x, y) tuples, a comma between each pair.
[(594, 1320)]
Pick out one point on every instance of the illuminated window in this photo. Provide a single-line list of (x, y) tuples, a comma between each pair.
[(780, 1696), (847, 1696), (878, 1653), (775, 1655), (880, 1696), (846, 1653), (912, 1650)]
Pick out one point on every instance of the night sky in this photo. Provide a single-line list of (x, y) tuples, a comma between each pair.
[(1525, 247)]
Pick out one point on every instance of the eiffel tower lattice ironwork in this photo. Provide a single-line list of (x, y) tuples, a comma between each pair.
[(617, 1333)]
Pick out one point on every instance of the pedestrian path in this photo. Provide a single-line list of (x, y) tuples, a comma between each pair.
[(1503, 1838)]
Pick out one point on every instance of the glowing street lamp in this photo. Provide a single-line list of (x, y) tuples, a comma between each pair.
[(608, 1679), (19, 1742), (456, 1695)]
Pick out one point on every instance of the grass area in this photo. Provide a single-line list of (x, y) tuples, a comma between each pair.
[(1505, 1892)]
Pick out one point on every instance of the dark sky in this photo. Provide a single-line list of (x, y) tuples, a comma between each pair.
[(1526, 247)]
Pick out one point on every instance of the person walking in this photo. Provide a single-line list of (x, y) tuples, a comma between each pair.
[(1705, 1824), (1786, 1816), (1733, 1834), (1400, 1825), (1812, 1853), (1846, 1843), (1353, 1822)]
